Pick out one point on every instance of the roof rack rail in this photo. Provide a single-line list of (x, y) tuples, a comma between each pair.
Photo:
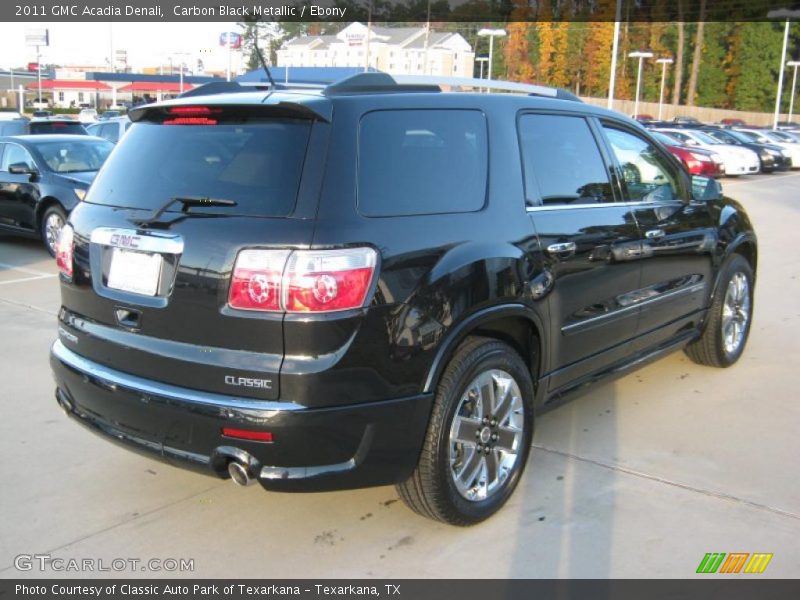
[(377, 82)]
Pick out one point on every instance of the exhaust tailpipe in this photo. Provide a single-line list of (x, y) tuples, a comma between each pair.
[(240, 474)]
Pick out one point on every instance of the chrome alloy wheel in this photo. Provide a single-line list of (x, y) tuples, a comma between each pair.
[(486, 434), (52, 229), (735, 313)]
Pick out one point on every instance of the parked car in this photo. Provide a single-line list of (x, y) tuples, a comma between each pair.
[(785, 126), (109, 114), (52, 125), (771, 157), (698, 161), (10, 115), (41, 114), (42, 178), (354, 288), (14, 127), (110, 129), (732, 122), (767, 136), (643, 118), (87, 115), (737, 160), (687, 121)]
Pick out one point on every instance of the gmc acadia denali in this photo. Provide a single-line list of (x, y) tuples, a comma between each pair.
[(380, 282)]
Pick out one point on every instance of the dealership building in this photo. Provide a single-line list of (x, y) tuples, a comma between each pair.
[(393, 50)]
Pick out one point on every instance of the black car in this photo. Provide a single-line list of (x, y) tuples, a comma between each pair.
[(53, 125), (42, 178), (771, 157), (380, 283)]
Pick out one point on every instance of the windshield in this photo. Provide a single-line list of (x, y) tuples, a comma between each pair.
[(257, 164), (704, 138), (74, 156), (664, 138), (783, 137)]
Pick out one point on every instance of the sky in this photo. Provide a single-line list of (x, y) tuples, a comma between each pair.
[(147, 44)]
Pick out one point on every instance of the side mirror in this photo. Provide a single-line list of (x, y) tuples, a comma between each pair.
[(22, 169), (705, 189)]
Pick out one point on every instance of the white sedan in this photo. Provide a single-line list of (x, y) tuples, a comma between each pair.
[(736, 160), (767, 136)]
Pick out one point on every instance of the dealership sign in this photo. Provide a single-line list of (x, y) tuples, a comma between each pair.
[(230, 39), (37, 37)]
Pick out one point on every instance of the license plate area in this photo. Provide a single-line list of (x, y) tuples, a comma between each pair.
[(135, 272)]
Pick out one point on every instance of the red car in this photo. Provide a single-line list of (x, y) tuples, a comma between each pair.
[(697, 161)]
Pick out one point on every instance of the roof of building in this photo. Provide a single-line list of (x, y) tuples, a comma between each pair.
[(68, 84)]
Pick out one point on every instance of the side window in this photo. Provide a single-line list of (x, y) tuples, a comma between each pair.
[(416, 162), (16, 155), (109, 132), (647, 174), (561, 161)]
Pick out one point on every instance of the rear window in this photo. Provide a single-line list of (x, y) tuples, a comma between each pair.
[(70, 156), (256, 163), (45, 127), (416, 162)]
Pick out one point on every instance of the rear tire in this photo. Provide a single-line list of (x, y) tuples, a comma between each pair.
[(53, 221), (478, 438), (729, 318)]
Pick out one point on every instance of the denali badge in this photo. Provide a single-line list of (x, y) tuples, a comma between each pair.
[(265, 384)]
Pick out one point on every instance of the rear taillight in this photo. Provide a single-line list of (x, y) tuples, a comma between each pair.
[(65, 247), (302, 281), (256, 281)]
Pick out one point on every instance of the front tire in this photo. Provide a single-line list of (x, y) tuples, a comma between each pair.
[(729, 317), (53, 222), (478, 438)]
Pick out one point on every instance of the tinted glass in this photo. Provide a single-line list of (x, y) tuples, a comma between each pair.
[(561, 161), (256, 163), (12, 127), (16, 155), (93, 129), (647, 174), (414, 162), (724, 137), (74, 156), (43, 127)]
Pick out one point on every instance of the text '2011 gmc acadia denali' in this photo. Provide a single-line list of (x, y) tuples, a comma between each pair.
[(379, 282)]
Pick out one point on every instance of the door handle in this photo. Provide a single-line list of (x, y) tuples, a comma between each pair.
[(562, 249), (654, 234)]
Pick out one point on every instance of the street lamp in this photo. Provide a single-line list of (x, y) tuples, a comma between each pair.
[(641, 56), (491, 34), (663, 62), (482, 60), (780, 75), (794, 64)]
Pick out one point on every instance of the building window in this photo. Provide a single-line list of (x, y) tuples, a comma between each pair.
[(80, 96), (60, 96)]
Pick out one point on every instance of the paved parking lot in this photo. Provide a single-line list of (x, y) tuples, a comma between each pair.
[(639, 478)]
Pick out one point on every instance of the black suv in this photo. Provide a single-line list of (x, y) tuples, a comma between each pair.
[(383, 283)]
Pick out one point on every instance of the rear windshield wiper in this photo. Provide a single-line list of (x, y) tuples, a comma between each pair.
[(186, 203)]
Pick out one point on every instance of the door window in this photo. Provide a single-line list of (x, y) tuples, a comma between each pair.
[(647, 174), (16, 155), (561, 161)]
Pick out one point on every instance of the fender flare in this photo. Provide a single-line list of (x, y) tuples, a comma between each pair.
[(458, 332)]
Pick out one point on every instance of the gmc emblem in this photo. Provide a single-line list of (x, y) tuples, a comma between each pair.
[(125, 241)]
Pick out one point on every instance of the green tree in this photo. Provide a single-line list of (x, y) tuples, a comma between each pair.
[(759, 61), (712, 77)]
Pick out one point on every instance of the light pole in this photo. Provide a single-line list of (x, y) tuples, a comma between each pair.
[(481, 60), (641, 56), (663, 62), (794, 64), (491, 34), (780, 76), (612, 78)]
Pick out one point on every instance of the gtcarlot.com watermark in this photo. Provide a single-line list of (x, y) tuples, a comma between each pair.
[(45, 563)]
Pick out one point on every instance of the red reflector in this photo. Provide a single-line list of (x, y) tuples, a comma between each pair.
[(245, 434), (65, 249), (190, 121)]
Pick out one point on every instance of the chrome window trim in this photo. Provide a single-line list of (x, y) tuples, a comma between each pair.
[(632, 204)]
